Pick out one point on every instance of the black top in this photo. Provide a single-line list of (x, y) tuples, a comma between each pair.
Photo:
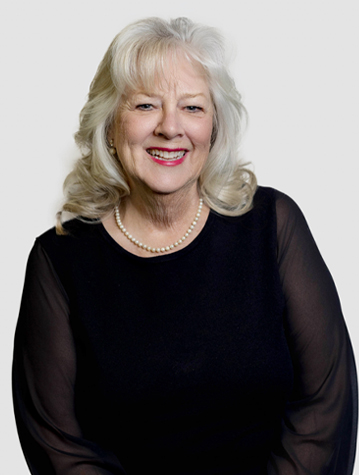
[(229, 356)]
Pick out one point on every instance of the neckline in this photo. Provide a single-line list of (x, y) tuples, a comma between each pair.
[(159, 257)]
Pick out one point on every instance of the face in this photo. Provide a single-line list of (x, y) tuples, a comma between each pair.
[(162, 136)]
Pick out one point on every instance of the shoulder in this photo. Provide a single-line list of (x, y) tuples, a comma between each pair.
[(270, 196), (281, 210), (73, 255), (80, 236), (284, 206), (75, 229)]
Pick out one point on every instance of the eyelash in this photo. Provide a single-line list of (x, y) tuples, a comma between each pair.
[(194, 108), (146, 107)]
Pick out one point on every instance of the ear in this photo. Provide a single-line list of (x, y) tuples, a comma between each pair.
[(110, 132), (110, 141)]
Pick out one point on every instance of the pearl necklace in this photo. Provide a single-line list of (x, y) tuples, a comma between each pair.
[(157, 249)]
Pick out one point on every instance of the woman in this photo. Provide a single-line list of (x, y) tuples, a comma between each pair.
[(184, 322)]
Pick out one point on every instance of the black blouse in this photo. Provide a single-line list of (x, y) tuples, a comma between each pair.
[(229, 356)]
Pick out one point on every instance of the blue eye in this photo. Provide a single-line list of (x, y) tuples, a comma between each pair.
[(144, 107), (193, 108)]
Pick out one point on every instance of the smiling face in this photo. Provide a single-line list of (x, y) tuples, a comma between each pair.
[(162, 135)]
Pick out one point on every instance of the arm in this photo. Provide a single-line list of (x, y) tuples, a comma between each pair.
[(44, 373), (319, 425)]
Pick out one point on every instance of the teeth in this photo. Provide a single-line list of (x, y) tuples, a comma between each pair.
[(164, 155)]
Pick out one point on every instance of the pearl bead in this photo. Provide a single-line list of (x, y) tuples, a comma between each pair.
[(158, 249)]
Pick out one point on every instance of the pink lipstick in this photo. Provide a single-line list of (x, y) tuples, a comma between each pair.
[(168, 157)]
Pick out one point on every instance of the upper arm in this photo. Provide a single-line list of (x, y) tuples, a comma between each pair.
[(319, 426), (44, 376)]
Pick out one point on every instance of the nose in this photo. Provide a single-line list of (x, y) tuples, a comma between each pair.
[(169, 124)]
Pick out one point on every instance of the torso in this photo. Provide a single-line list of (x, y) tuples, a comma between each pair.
[(182, 358)]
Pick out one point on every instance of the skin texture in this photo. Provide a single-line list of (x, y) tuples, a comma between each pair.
[(176, 114), (165, 117)]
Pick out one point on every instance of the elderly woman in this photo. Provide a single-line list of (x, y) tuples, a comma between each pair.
[(184, 321)]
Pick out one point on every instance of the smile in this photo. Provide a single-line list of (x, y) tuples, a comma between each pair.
[(166, 154), (167, 157)]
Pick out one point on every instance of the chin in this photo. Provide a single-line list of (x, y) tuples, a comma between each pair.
[(166, 190), (169, 186)]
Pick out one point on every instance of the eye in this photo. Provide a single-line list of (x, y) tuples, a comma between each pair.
[(144, 107), (194, 108)]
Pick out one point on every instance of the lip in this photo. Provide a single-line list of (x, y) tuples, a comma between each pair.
[(168, 149), (168, 163)]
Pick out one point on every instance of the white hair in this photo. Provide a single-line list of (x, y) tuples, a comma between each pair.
[(135, 58)]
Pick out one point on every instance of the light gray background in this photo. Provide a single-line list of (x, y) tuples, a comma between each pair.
[(296, 66)]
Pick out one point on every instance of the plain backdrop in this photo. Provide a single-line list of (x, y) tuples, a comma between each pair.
[(296, 67)]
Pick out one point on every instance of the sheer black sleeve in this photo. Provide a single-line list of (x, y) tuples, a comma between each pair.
[(319, 425), (44, 372)]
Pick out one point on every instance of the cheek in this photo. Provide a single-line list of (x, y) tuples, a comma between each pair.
[(127, 133), (132, 131), (202, 134)]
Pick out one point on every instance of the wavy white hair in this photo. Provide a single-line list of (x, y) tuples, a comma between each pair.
[(135, 58)]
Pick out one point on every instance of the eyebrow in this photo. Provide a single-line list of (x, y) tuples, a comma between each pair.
[(185, 96), (189, 96)]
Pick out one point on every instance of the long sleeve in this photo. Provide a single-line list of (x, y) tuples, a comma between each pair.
[(44, 373), (319, 425)]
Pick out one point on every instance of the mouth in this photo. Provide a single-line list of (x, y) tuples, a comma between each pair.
[(167, 154), (167, 157)]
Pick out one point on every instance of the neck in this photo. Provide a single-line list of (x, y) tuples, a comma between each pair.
[(162, 211)]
